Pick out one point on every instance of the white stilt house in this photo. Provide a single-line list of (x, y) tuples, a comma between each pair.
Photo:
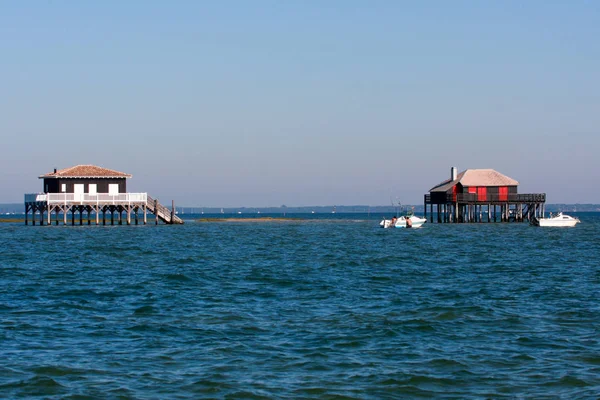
[(93, 190)]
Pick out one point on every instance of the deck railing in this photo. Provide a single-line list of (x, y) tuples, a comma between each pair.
[(86, 198), (490, 198)]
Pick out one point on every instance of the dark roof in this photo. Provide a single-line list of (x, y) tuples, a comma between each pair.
[(476, 177), (86, 171)]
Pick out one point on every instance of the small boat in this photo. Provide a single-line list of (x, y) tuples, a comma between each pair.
[(385, 223), (559, 219), (415, 222)]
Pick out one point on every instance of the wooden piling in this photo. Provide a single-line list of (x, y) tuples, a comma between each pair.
[(156, 210), (172, 210)]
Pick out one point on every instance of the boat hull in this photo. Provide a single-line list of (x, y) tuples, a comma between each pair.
[(560, 220), (416, 222), (401, 222), (548, 222)]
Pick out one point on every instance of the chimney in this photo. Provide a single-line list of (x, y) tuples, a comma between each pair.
[(453, 173), (54, 170)]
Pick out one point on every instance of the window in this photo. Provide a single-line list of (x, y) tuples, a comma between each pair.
[(63, 187)]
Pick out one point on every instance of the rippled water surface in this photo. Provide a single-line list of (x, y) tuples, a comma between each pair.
[(315, 308)]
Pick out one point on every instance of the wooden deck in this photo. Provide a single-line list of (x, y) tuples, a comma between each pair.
[(120, 208), (470, 207)]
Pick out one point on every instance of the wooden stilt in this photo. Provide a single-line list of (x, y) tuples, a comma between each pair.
[(156, 210), (172, 210)]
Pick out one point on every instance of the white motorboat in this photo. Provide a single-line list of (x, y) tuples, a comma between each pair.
[(559, 219), (415, 222), (385, 223)]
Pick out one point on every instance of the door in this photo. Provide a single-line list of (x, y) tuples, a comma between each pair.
[(481, 193), (503, 193), (113, 188), (78, 190)]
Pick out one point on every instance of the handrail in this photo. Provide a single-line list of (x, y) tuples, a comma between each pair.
[(86, 198), (162, 212), (489, 198)]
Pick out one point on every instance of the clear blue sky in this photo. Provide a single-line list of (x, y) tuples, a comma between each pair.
[(263, 103)]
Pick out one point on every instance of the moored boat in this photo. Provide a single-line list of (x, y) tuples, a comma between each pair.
[(559, 220), (411, 221), (405, 221)]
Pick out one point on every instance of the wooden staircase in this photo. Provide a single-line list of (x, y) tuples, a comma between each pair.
[(162, 212)]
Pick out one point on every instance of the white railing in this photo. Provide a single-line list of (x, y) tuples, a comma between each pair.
[(86, 198)]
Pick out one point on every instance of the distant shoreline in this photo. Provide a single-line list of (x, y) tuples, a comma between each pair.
[(16, 209)]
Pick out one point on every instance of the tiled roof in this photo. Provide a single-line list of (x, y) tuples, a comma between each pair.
[(476, 177), (86, 171)]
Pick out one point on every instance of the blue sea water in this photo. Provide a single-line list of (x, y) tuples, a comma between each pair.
[(322, 307)]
